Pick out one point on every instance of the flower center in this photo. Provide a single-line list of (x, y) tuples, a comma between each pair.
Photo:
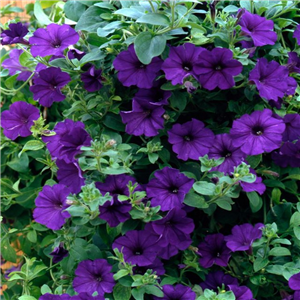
[(187, 66), (188, 138), (218, 68), (142, 66), (257, 130), (173, 189), (138, 251), (99, 279)]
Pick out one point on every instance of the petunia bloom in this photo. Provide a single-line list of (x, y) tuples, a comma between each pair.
[(14, 66), (191, 139), (59, 253), (287, 155), (213, 250), (241, 292), (243, 236), (168, 188), (293, 64), (47, 86), (18, 120), (180, 63), (223, 146), (292, 127), (138, 247), (296, 34), (94, 276), (257, 133), (258, 28), (51, 205), (145, 118), (15, 34), (157, 266), (133, 72), (177, 292), (48, 296), (155, 96), (256, 186), (52, 40), (92, 79), (216, 68), (216, 279), (271, 79)]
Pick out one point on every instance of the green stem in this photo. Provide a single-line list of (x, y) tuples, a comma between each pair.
[(152, 6)]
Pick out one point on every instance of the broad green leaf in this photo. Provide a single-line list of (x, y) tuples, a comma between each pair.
[(32, 236), (129, 12), (194, 200), (279, 251), (254, 160), (120, 274), (33, 146), (74, 10), (121, 292), (19, 164), (255, 201), (41, 17), (154, 19), (90, 20), (95, 54), (26, 297), (148, 46), (260, 263), (204, 188), (7, 251)]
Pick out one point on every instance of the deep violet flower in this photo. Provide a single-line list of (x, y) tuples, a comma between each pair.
[(59, 253), (241, 292), (69, 138), (191, 139), (223, 146), (94, 276), (70, 175), (242, 236), (18, 120), (177, 292), (51, 205), (213, 250), (14, 66), (138, 247), (293, 64), (216, 279), (15, 34), (47, 86), (55, 297), (180, 62), (168, 188), (52, 40), (115, 211), (92, 79), (216, 68), (270, 79), (292, 127), (174, 229), (157, 266), (296, 34), (167, 251), (257, 133), (287, 155), (258, 28), (145, 118), (294, 282), (133, 72), (116, 185), (155, 96), (256, 186)]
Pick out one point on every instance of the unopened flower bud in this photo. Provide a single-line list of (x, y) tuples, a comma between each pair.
[(166, 117), (70, 202), (146, 209)]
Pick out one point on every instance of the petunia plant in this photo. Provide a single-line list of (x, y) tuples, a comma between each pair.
[(151, 150)]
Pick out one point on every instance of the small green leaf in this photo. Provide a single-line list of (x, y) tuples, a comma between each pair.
[(255, 201), (32, 236), (260, 263), (45, 289), (41, 17), (129, 12), (254, 160), (194, 200), (33, 146), (120, 274), (26, 297), (204, 188), (121, 292), (7, 251), (154, 19), (293, 176), (279, 251), (74, 10)]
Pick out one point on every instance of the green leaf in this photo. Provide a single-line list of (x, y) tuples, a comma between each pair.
[(276, 195), (297, 232), (90, 20), (230, 9), (204, 188), (138, 293), (113, 121), (153, 157), (254, 160), (95, 54), (10, 81), (32, 236), (255, 201), (154, 290), (225, 203), (45, 289), (148, 46), (19, 164), (194, 200), (7, 251), (178, 100), (275, 269), (295, 219), (41, 17), (33, 146), (129, 12), (26, 297), (279, 251), (74, 10), (260, 263), (60, 63), (293, 176), (154, 19), (121, 292)]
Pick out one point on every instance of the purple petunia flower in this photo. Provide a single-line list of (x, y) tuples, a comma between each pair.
[(191, 139), (133, 72), (145, 118), (256, 186), (242, 236), (214, 251), (216, 68), (52, 40), (177, 292), (15, 34), (292, 127), (18, 120), (50, 206), (293, 64), (59, 253), (14, 66), (296, 34), (115, 211), (223, 146), (294, 282), (241, 292), (258, 28), (271, 79), (174, 229), (92, 79), (116, 185), (257, 133), (217, 279), (55, 297), (138, 247), (94, 276), (168, 188), (288, 155), (180, 63), (47, 86), (167, 251), (70, 175), (155, 96), (70, 137), (157, 266)]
